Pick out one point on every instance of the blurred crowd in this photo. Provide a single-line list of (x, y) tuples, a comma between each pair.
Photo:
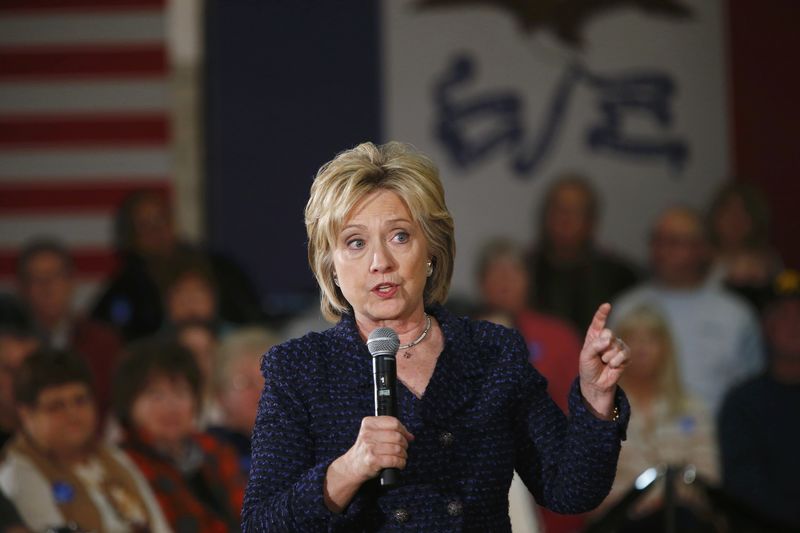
[(136, 414)]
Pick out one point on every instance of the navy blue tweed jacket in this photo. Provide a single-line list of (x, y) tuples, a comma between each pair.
[(484, 414)]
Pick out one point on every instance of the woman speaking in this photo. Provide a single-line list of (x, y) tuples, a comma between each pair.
[(471, 408)]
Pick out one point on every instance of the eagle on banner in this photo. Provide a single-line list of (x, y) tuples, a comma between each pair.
[(566, 18)]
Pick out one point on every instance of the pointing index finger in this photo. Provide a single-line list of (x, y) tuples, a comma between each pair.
[(599, 321)]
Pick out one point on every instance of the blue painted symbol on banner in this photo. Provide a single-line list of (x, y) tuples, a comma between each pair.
[(473, 128)]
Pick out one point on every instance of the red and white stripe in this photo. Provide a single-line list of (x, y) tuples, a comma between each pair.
[(84, 121)]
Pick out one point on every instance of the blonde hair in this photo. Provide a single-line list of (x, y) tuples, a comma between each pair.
[(669, 385), (248, 342), (353, 174)]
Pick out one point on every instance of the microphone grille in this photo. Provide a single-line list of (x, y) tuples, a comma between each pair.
[(383, 341)]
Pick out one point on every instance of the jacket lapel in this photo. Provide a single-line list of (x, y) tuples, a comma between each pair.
[(453, 385)]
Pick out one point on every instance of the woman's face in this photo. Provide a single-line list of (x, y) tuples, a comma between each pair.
[(165, 409), (568, 222), (152, 227), (504, 286), (191, 298), (647, 353), (64, 419), (381, 259), (242, 391)]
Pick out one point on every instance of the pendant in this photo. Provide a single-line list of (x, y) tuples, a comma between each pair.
[(408, 354)]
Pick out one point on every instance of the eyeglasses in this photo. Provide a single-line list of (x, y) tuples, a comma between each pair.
[(61, 405)]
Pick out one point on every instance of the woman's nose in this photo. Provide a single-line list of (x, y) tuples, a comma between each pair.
[(382, 260)]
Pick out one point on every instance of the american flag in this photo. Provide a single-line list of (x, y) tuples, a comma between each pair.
[(84, 120)]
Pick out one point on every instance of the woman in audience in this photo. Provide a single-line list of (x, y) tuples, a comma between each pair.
[(503, 279), (238, 387), (56, 472), (158, 394), (670, 427)]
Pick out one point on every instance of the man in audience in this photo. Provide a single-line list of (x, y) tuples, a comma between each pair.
[(46, 278), (716, 335), (571, 277), (17, 341), (758, 426)]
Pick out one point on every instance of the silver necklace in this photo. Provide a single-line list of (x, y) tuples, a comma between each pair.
[(418, 339)]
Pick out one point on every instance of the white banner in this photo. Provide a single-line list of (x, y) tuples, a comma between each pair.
[(504, 106)]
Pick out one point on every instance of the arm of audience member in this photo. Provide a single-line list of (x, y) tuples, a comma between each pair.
[(568, 464), (285, 489), (30, 492), (159, 523)]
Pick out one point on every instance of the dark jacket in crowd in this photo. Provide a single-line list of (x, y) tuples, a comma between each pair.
[(484, 413), (133, 300), (574, 292), (759, 439)]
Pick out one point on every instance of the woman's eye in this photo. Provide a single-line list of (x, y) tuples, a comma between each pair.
[(401, 237), (355, 244)]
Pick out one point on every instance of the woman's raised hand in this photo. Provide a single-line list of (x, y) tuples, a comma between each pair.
[(602, 361)]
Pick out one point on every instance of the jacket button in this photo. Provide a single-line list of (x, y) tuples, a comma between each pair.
[(446, 439), (401, 516), (455, 508)]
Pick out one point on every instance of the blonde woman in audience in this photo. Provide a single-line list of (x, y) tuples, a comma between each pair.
[(238, 385), (671, 427)]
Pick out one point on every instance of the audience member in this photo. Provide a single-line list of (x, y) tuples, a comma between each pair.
[(571, 276), (149, 251), (201, 339), (738, 224), (17, 341), (238, 385), (671, 427), (56, 472), (716, 335), (758, 425), (195, 477), (190, 294), (553, 344), (45, 274)]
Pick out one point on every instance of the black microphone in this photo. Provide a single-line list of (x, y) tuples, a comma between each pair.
[(382, 345)]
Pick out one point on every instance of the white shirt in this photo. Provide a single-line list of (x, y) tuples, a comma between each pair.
[(717, 337), (32, 494)]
